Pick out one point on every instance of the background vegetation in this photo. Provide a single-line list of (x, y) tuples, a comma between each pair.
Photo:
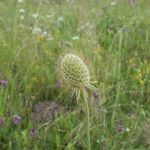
[(113, 38)]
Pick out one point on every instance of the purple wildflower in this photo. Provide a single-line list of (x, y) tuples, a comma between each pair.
[(133, 93), (3, 82), (119, 127), (16, 119), (95, 95), (33, 132)]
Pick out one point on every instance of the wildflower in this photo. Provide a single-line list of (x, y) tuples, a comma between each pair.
[(133, 2), (21, 10), (133, 93), (20, 1), (81, 28), (16, 119), (60, 19), (127, 129), (22, 17), (75, 38), (75, 73), (98, 141), (44, 34), (33, 132), (35, 16), (95, 95), (119, 127), (3, 83), (48, 16), (113, 3), (36, 31), (87, 24)]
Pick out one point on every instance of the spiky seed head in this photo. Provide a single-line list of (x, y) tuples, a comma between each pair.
[(74, 71)]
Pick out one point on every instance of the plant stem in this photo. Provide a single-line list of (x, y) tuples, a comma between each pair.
[(85, 97)]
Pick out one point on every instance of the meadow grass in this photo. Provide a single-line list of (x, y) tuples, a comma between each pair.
[(114, 41)]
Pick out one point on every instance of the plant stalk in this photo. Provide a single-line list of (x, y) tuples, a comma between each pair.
[(85, 97)]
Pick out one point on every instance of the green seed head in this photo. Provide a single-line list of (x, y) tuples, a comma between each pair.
[(74, 71)]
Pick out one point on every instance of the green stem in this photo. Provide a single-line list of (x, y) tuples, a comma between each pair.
[(85, 97)]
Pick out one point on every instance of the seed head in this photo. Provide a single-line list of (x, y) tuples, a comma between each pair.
[(74, 71)]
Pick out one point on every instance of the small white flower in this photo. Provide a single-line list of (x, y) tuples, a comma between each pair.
[(49, 16), (87, 24), (81, 28), (44, 34), (127, 129), (98, 141), (75, 38), (22, 17), (35, 16), (21, 10), (39, 32), (20, 1), (60, 19), (36, 31), (113, 3)]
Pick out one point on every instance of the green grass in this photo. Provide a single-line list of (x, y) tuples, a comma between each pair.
[(113, 40)]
